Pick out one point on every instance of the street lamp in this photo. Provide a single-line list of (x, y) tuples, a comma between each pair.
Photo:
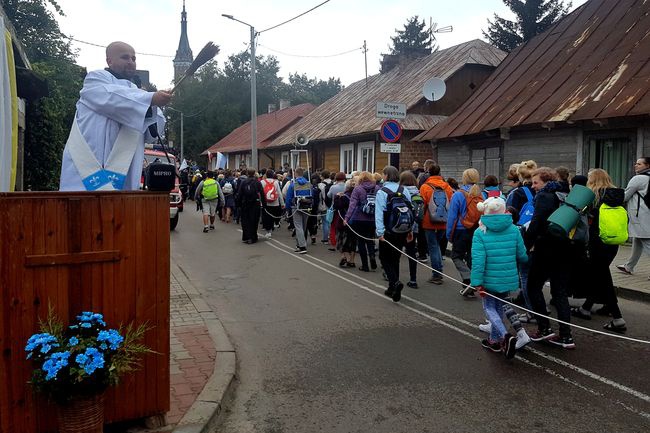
[(182, 130), (253, 92)]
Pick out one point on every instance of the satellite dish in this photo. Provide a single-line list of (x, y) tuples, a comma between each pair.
[(434, 89), (302, 139)]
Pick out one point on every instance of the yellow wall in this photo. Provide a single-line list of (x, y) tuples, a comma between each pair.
[(332, 158)]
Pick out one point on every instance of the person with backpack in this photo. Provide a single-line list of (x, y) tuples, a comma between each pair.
[(436, 196), (324, 204), (491, 187), (361, 218), (550, 259), (608, 230), (274, 202), (637, 198), (409, 182), (210, 195), (393, 224), (462, 220), (250, 200), (346, 241), (336, 188), (301, 202), (497, 246), (228, 189)]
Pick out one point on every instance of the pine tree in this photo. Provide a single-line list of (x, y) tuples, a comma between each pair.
[(532, 18), (414, 40)]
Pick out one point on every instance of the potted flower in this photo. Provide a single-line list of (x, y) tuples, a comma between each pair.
[(74, 366)]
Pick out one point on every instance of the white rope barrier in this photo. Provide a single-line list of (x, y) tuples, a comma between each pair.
[(622, 337)]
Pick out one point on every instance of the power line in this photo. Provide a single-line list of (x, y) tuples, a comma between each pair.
[(296, 17), (104, 46), (311, 56)]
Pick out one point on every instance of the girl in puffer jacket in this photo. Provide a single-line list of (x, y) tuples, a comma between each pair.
[(497, 246)]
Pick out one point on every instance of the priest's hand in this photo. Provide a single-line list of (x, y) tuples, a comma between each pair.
[(161, 98)]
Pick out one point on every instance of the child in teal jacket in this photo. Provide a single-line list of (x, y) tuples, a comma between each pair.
[(497, 246)]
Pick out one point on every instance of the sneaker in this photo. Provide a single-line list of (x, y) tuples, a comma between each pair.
[(397, 291), (302, 250), (485, 327), (211, 227), (563, 342), (205, 229), (522, 339), (342, 263), (412, 284), (543, 334), (509, 346), (624, 269), (324, 241), (437, 280), (493, 346), (268, 235)]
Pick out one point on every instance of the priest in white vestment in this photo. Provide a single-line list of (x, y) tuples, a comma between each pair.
[(111, 112)]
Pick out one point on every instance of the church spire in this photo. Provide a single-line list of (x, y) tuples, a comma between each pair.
[(184, 56)]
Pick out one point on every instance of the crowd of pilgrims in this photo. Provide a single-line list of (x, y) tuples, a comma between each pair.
[(497, 234)]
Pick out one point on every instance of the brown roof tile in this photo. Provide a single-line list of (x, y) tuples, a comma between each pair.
[(593, 64)]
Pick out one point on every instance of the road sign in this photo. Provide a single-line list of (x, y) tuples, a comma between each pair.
[(391, 147), (391, 110), (390, 131)]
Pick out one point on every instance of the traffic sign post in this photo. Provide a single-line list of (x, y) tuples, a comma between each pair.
[(390, 131)]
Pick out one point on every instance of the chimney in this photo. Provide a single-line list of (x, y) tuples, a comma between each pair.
[(271, 108), (284, 103)]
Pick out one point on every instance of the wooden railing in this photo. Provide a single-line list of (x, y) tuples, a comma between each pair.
[(106, 252)]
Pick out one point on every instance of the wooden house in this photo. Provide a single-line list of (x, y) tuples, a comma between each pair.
[(577, 95), (343, 132)]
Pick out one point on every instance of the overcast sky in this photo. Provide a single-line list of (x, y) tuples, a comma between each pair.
[(153, 26)]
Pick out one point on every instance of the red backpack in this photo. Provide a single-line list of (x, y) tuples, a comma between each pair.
[(472, 215), (270, 193)]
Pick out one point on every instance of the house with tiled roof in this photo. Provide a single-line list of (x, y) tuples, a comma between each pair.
[(343, 132), (236, 146), (577, 95)]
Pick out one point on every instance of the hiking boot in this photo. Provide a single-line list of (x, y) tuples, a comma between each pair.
[(437, 280), (509, 346), (397, 291), (205, 229), (563, 342), (491, 345), (522, 339), (624, 269), (485, 327), (542, 334), (412, 284)]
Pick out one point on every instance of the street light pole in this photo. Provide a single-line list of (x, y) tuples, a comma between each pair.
[(253, 103), (253, 93)]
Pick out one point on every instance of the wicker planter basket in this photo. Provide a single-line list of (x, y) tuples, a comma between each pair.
[(82, 415)]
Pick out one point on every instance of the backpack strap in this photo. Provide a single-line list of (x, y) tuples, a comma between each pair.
[(529, 195)]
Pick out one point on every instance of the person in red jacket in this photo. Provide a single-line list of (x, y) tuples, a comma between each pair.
[(436, 195)]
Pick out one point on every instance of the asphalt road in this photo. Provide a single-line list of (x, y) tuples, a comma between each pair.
[(321, 349)]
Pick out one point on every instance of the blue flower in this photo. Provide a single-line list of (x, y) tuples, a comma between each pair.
[(43, 342), (88, 318), (90, 360), (112, 337), (86, 325), (55, 363), (73, 341)]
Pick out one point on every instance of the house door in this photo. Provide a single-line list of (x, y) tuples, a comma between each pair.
[(614, 154)]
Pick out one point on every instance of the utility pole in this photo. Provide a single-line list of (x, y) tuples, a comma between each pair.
[(365, 57), (253, 103)]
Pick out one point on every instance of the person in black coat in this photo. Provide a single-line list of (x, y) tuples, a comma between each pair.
[(250, 200), (549, 260), (601, 255)]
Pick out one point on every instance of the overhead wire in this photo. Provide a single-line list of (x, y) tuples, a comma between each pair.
[(104, 46), (294, 18), (310, 56)]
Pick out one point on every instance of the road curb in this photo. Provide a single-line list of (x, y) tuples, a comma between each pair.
[(632, 294), (203, 416)]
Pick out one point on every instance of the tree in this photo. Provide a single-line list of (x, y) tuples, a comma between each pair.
[(302, 89), (414, 41), (532, 18)]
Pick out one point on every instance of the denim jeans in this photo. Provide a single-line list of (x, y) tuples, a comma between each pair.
[(433, 241), (493, 308), (325, 228)]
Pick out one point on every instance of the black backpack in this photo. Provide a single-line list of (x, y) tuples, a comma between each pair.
[(328, 201), (398, 217), (646, 196), (249, 192)]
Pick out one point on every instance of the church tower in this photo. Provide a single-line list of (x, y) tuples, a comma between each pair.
[(184, 56)]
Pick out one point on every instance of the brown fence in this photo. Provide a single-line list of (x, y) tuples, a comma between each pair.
[(106, 252)]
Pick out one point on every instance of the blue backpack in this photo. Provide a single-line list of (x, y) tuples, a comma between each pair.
[(527, 210), (398, 217), (438, 205)]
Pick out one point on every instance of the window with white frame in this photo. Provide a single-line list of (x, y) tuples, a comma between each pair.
[(284, 158), (347, 158), (295, 159), (366, 156)]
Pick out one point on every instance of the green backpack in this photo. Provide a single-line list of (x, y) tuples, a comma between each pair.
[(612, 224)]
